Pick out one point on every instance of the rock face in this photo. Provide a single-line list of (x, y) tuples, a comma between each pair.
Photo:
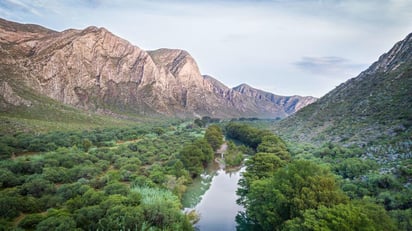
[(10, 97), (93, 69), (376, 104), (289, 104)]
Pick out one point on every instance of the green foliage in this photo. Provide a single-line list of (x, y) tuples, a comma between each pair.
[(196, 156), (403, 219), (37, 186), (57, 220), (233, 155), (30, 221), (214, 136), (88, 187), (9, 207), (354, 167), (246, 134), (87, 144), (161, 208), (273, 144), (352, 216), (262, 165), (299, 186), (116, 188)]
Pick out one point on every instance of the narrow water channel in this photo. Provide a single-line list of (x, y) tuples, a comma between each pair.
[(213, 197)]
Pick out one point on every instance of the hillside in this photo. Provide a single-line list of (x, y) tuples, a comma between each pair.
[(374, 106), (23, 110), (94, 70)]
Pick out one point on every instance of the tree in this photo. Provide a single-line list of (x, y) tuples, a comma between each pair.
[(403, 218), (273, 144), (37, 186), (58, 220), (298, 186), (360, 215), (87, 144), (259, 166), (87, 217), (116, 188), (191, 159), (233, 155), (31, 220), (9, 207), (207, 151), (214, 136), (196, 156)]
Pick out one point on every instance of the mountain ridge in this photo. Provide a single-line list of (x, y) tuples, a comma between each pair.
[(374, 106), (95, 70)]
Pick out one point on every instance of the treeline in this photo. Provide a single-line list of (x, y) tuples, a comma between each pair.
[(29, 142), (248, 135), (284, 193)]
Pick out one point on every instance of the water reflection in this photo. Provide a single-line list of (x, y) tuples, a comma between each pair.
[(217, 207)]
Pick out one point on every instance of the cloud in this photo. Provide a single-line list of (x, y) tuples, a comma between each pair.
[(329, 65), (20, 6)]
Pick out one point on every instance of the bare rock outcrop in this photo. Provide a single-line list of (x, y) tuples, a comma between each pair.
[(10, 97)]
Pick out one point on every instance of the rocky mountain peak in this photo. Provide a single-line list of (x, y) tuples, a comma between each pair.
[(94, 69), (179, 62), (400, 53)]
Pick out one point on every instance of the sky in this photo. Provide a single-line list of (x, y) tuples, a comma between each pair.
[(287, 47)]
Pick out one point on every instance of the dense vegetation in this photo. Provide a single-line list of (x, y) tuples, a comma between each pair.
[(106, 179), (134, 179), (302, 187)]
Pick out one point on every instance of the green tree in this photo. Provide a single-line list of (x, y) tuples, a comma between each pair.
[(196, 156), (116, 188), (207, 151), (191, 159), (58, 220), (87, 144), (37, 186), (87, 217), (273, 144), (403, 218), (30, 221), (298, 186), (346, 217), (214, 136)]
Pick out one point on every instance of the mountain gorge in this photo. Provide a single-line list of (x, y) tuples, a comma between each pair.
[(374, 106), (94, 70)]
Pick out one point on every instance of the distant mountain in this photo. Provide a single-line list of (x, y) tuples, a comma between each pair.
[(290, 104), (375, 106), (94, 70)]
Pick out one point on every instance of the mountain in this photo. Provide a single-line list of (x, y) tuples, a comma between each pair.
[(374, 106), (289, 104), (94, 70)]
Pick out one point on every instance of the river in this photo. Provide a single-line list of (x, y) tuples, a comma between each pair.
[(213, 196)]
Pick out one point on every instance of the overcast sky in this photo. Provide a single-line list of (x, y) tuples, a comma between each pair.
[(288, 47)]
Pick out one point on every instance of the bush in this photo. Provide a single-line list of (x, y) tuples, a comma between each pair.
[(30, 221)]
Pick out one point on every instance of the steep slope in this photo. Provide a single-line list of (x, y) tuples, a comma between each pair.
[(376, 105), (94, 70), (23, 110), (289, 104)]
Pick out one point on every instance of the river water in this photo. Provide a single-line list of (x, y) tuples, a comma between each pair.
[(213, 196)]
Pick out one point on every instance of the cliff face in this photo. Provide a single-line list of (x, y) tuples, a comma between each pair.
[(95, 70), (289, 104)]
